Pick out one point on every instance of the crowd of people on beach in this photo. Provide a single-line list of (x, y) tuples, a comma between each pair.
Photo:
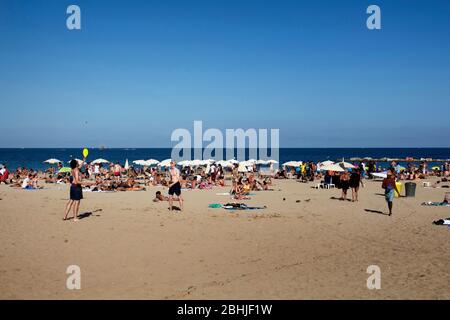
[(113, 177)]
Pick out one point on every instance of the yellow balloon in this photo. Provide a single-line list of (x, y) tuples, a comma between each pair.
[(85, 152)]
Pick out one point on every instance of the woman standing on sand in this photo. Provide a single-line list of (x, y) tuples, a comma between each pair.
[(76, 191), (344, 182), (355, 181)]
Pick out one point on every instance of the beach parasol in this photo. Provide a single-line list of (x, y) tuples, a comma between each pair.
[(346, 165), (205, 162), (184, 163), (246, 163), (292, 164), (332, 167), (52, 161), (98, 161), (127, 166), (140, 162), (224, 163), (151, 162), (271, 161), (242, 167), (64, 170), (326, 163), (165, 163)]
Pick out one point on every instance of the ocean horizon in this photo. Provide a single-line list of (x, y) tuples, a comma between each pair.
[(34, 157)]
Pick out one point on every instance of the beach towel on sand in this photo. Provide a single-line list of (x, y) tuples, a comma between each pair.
[(240, 206), (440, 222), (436, 204), (234, 206)]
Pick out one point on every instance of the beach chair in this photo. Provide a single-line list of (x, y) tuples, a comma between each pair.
[(327, 183)]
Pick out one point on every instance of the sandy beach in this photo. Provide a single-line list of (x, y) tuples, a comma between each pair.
[(133, 248)]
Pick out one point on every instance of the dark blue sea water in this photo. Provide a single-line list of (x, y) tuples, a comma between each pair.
[(33, 158)]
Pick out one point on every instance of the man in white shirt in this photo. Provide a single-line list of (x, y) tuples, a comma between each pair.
[(27, 182)]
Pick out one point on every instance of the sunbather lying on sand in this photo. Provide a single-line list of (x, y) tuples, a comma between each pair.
[(129, 185)]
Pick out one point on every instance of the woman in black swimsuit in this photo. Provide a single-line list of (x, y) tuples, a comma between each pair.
[(344, 182), (76, 191), (355, 180)]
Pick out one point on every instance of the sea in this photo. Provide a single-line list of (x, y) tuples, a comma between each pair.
[(34, 158)]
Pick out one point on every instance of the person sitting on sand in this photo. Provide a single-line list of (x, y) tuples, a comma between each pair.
[(31, 182), (4, 175), (51, 179), (27, 183)]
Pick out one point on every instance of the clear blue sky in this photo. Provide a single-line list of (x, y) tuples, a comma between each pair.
[(139, 69)]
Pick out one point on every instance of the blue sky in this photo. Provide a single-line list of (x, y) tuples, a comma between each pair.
[(139, 69)]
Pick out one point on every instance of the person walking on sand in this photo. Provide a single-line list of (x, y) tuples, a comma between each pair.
[(355, 181), (389, 187), (345, 184), (174, 186), (76, 192)]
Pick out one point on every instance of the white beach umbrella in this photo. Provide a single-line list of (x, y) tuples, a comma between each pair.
[(151, 162), (272, 161), (98, 161), (292, 164), (346, 165), (127, 166), (224, 163), (185, 163), (205, 162), (331, 167), (165, 163), (196, 163), (242, 167), (233, 161), (140, 162), (326, 163), (52, 161), (261, 161), (246, 163)]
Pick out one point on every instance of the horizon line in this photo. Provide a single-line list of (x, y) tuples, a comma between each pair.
[(109, 148)]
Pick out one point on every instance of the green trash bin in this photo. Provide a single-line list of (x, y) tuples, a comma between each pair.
[(410, 189)]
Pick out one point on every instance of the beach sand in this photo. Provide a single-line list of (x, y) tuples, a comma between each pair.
[(136, 249)]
